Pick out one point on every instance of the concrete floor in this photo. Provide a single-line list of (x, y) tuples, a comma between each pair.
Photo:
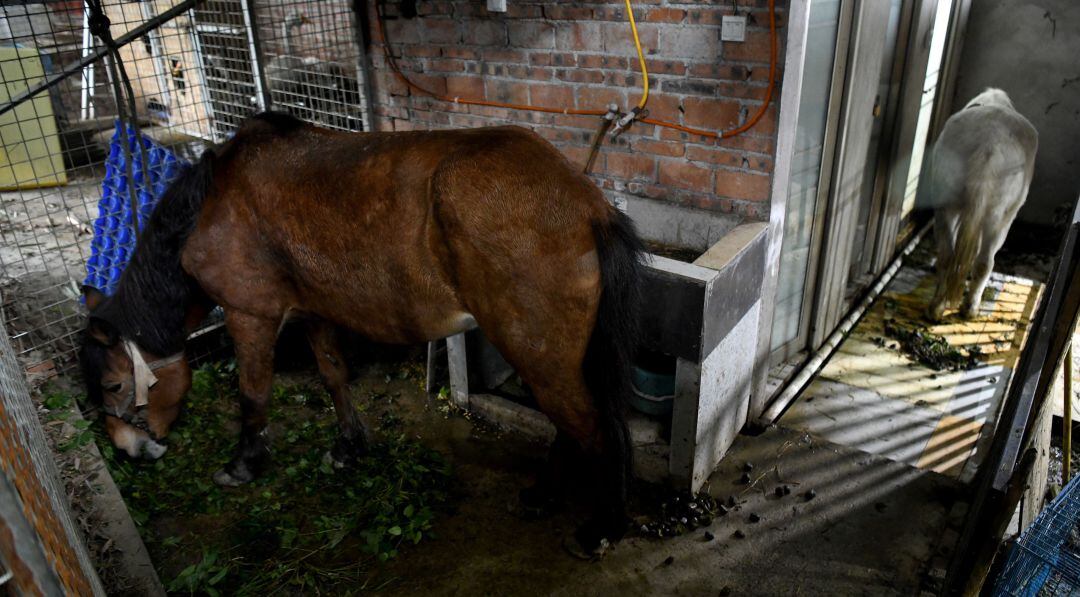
[(871, 529)]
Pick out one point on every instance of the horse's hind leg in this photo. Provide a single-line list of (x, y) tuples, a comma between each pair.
[(944, 236), (352, 442), (254, 339)]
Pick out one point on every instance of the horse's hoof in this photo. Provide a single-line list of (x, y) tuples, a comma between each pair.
[(346, 452), (153, 450), (235, 478), (574, 547)]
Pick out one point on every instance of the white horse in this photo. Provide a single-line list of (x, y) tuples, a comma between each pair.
[(980, 171)]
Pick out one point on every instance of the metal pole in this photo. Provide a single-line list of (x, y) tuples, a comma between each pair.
[(262, 88), (1066, 422)]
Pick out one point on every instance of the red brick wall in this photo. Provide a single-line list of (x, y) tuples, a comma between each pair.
[(581, 55)]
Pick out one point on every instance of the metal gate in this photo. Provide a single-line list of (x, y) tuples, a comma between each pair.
[(197, 69)]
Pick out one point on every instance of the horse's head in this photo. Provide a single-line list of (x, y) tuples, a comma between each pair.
[(139, 392)]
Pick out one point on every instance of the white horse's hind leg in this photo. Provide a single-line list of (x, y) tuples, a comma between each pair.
[(945, 222), (993, 236)]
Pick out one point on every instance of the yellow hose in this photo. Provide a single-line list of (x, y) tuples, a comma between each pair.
[(641, 58)]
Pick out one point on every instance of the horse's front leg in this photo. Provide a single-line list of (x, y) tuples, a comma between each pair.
[(254, 339), (352, 441)]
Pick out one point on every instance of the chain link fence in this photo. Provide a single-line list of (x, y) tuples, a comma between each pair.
[(197, 70)]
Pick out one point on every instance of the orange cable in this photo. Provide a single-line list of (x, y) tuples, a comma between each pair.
[(579, 112)]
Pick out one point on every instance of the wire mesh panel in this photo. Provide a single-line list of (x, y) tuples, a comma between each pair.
[(195, 77), (1046, 559), (311, 60), (223, 37)]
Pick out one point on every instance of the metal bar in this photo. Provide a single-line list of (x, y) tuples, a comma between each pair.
[(86, 103), (265, 100), (1066, 424), (69, 70)]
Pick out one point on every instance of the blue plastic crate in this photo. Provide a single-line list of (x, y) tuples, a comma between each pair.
[(1046, 559), (114, 234)]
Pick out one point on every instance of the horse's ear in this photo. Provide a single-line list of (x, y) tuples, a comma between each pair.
[(102, 331), (93, 296)]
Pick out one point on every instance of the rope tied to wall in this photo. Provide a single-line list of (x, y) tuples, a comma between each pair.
[(100, 27)]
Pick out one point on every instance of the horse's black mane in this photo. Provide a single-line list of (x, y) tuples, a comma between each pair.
[(151, 300)]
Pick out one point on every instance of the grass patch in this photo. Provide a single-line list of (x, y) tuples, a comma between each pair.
[(301, 528)]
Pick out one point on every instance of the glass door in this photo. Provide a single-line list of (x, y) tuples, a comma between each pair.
[(809, 179)]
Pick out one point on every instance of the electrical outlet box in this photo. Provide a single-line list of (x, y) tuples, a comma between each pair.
[(733, 28), (496, 5)]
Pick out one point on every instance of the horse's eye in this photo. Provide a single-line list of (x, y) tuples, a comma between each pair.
[(113, 387)]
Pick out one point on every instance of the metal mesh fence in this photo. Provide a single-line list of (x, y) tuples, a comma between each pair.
[(194, 77)]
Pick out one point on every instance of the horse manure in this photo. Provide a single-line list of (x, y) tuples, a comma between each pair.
[(787, 490), (704, 521), (669, 560), (738, 534), (810, 494), (725, 591), (709, 536), (745, 479), (731, 501), (749, 466), (754, 518), (880, 506), (721, 509)]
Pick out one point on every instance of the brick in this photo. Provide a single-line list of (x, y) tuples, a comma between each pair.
[(602, 61), (618, 39), (403, 31), (685, 175), (575, 154), (504, 55), (731, 72), (739, 184), (580, 76), (421, 51), (664, 107), (665, 15), (446, 65), (433, 83), (552, 96), (568, 13), (713, 155), (521, 10), (532, 34), (664, 67), (713, 115), (598, 98), (707, 16), (754, 49), (508, 91), (466, 87), (631, 166), (578, 36), (463, 53), (441, 31), (664, 148), (697, 43), (485, 33)]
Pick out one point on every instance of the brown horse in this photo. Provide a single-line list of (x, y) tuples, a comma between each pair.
[(402, 237)]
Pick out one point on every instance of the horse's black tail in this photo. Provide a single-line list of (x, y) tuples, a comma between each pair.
[(607, 366)]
